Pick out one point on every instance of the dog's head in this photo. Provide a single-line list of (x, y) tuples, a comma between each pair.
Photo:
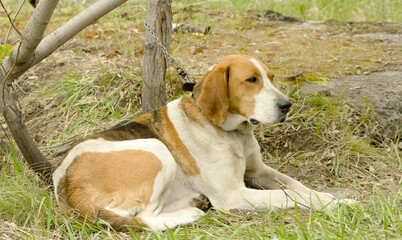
[(241, 86)]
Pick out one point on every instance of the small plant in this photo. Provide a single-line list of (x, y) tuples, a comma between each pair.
[(5, 51)]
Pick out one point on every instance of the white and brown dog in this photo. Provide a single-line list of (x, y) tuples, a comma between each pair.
[(155, 170)]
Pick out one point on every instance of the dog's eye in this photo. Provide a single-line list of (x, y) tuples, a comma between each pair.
[(252, 79)]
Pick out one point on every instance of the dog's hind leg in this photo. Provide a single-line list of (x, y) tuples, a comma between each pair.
[(169, 220), (161, 214)]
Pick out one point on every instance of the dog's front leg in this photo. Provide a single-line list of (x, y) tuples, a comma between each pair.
[(252, 199), (265, 177)]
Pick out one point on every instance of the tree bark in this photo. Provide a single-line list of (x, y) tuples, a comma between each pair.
[(31, 51), (159, 18), (31, 36)]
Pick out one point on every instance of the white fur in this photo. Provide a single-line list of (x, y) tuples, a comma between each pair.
[(233, 121), (171, 220), (266, 108)]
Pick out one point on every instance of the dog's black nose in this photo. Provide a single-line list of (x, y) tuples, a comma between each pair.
[(284, 106)]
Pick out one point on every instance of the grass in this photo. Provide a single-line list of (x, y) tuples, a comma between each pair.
[(95, 99), (28, 208), (324, 144), (342, 10)]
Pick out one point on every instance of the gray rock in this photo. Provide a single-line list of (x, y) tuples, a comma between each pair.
[(383, 90)]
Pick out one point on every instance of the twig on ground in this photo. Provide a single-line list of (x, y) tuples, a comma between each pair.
[(293, 77), (282, 185)]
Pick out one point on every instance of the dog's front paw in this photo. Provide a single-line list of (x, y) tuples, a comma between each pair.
[(329, 201), (320, 200)]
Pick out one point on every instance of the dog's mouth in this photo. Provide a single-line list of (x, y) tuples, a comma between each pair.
[(283, 118), (254, 121)]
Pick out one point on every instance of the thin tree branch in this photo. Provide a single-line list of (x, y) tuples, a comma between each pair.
[(9, 18), (35, 29), (12, 23), (2, 68), (75, 25), (14, 42), (61, 35), (8, 75)]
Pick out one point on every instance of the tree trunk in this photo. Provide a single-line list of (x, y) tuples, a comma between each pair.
[(31, 37), (31, 51), (24, 141), (159, 18)]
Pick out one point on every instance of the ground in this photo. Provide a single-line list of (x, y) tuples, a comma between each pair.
[(93, 81), (322, 50), (380, 91)]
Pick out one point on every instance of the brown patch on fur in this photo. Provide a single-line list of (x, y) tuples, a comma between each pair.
[(180, 152), (117, 179), (225, 88), (152, 125), (192, 111), (211, 94)]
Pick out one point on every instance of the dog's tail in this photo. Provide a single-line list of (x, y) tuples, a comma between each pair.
[(91, 212)]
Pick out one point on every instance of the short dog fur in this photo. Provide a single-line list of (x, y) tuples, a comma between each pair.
[(157, 169)]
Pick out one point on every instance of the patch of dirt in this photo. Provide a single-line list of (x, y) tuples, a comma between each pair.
[(393, 39), (379, 93), (75, 56)]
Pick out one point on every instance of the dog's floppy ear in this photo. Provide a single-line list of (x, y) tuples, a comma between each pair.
[(211, 94)]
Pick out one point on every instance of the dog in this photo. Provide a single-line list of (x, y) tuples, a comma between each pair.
[(159, 170)]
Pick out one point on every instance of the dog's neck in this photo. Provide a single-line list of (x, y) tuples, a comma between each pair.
[(236, 122)]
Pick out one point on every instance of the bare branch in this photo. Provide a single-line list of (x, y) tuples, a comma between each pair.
[(33, 32), (12, 23), (2, 68), (61, 35), (9, 18), (8, 75)]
